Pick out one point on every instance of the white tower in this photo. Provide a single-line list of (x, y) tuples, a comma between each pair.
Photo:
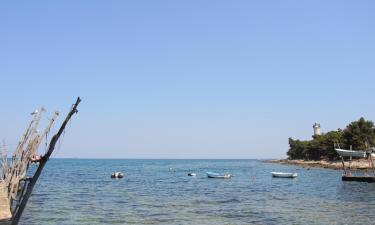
[(316, 127)]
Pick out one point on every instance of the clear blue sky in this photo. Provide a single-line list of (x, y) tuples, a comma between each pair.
[(187, 79)]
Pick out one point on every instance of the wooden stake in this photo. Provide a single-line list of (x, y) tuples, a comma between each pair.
[(42, 163)]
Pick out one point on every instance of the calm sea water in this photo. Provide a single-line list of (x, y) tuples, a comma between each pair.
[(75, 191)]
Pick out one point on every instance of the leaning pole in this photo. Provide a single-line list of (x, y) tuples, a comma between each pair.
[(42, 162)]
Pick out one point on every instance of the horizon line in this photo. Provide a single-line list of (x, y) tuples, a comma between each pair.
[(134, 158)]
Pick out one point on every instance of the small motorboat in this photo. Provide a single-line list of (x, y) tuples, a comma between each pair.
[(192, 174), (117, 175), (284, 175), (218, 175)]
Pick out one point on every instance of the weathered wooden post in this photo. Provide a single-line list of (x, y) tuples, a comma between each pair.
[(32, 181)]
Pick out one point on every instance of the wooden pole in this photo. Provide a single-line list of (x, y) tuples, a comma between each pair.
[(343, 164), (42, 163), (372, 163)]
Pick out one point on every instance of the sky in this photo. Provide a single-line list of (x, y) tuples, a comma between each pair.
[(186, 79)]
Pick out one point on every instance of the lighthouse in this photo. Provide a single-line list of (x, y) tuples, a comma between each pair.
[(316, 127)]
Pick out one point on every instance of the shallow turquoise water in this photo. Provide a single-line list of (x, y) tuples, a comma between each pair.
[(75, 191)]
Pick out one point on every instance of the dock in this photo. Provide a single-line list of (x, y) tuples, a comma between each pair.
[(368, 176), (368, 179), (5, 214)]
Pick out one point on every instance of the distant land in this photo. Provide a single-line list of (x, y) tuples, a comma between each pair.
[(320, 152)]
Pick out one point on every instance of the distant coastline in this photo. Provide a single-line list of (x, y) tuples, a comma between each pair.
[(321, 150), (356, 164)]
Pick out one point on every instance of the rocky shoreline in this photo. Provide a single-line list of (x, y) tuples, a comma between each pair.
[(355, 164)]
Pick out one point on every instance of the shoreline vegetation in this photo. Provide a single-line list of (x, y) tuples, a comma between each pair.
[(320, 150), (360, 164)]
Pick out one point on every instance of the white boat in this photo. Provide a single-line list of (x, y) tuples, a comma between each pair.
[(351, 153), (284, 175), (218, 175), (192, 174), (117, 175)]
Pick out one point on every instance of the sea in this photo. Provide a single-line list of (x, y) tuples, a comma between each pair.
[(80, 191)]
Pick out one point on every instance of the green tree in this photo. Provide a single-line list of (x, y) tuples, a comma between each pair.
[(297, 149), (324, 145), (321, 147), (360, 134)]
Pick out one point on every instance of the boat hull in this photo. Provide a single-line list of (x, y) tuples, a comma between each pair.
[(117, 175), (220, 176), (351, 153), (284, 175)]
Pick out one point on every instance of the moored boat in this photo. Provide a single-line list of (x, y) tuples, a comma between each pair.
[(192, 174), (218, 175), (117, 175), (351, 153), (284, 175)]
